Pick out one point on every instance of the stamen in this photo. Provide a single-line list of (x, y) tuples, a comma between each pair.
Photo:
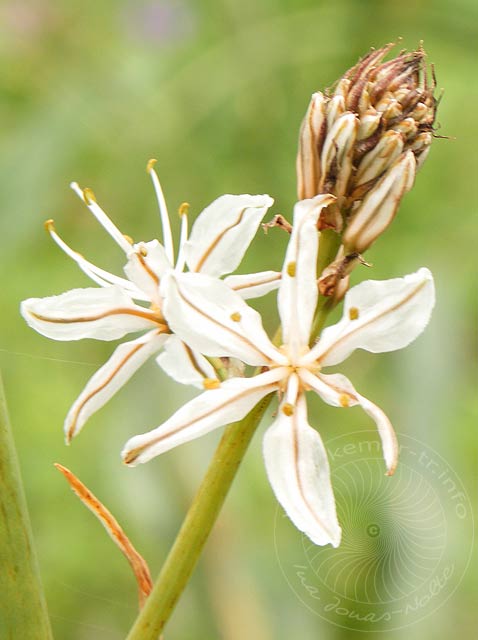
[(88, 197), (236, 316), (287, 409), (291, 269), (344, 400), (353, 313), (98, 275), (211, 383), (163, 211), (183, 212), (183, 209)]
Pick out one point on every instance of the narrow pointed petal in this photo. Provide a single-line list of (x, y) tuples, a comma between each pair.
[(298, 289), (146, 265), (298, 470), (223, 231), (338, 391), (103, 314), (213, 319), (254, 285), (125, 361), (212, 409), (185, 365), (379, 316)]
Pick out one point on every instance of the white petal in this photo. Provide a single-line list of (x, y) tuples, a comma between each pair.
[(338, 391), (185, 365), (212, 409), (379, 316), (104, 314), (298, 289), (146, 265), (210, 317), (222, 233), (125, 361), (254, 285), (298, 470)]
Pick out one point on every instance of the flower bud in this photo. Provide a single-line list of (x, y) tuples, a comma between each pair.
[(311, 140), (366, 139), (377, 210)]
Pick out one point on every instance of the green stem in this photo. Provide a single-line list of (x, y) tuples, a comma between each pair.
[(197, 525), (324, 307), (23, 611), (328, 246)]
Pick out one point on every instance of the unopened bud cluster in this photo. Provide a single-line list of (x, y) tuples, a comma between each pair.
[(365, 141)]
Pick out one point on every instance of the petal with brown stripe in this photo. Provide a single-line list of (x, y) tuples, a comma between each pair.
[(298, 470), (108, 380)]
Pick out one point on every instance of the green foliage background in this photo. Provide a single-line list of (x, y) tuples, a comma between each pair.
[(216, 91)]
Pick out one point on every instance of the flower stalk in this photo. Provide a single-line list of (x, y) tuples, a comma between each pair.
[(23, 610), (197, 526)]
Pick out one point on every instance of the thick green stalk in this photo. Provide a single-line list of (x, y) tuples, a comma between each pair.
[(23, 611), (197, 525), (324, 307), (328, 246)]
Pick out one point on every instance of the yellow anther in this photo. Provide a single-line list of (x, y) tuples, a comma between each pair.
[(236, 316), (291, 269), (287, 409), (353, 313), (344, 400), (183, 209), (150, 165), (143, 251), (128, 238), (211, 383), (49, 225), (88, 195)]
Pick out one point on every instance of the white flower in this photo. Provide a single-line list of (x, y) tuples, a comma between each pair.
[(218, 241), (378, 317)]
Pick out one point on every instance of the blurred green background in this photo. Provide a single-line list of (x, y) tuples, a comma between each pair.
[(216, 91)]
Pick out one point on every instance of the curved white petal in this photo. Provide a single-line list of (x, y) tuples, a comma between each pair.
[(125, 361), (254, 285), (146, 265), (298, 470), (184, 364), (103, 314), (210, 317), (215, 408), (298, 289), (223, 231), (379, 316), (337, 390)]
